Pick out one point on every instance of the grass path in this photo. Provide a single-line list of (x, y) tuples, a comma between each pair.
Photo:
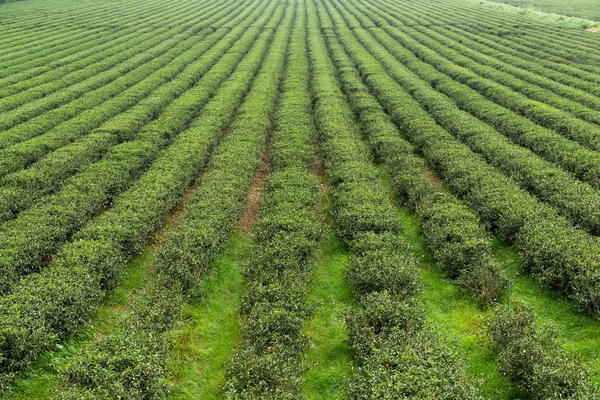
[(329, 357), (205, 341), (454, 312), (42, 378), (577, 331)]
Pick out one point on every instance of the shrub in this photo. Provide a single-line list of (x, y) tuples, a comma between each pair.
[(118, 366), (534, 360), (382, 262), (415, 365)]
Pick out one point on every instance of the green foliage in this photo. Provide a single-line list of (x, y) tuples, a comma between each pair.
[(268, 363), (206, 223), (118, 366), (382, 262), (403, 362), (534, 360), (52, 221), (109, 112), (76, 274), (380, 321), (453, 232), (115, 120), (501, 204), (382, 268), (274, 373)]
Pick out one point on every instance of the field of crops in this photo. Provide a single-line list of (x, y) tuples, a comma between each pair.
[(283, 199), (588, 9)]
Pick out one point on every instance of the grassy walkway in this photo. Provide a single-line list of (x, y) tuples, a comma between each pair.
[(329, 357), (41, 380), (204, 343), (455, 313), (577, 331)]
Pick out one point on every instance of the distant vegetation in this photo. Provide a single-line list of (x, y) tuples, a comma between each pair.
[(588, 9)]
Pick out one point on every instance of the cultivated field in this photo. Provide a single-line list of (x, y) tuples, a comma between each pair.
[(588, 9), (284, 199)]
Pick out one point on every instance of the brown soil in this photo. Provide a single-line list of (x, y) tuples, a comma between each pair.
[(252, 209), (429, 174), (593, 30), (173, 217), (319, 171), (176, 212)]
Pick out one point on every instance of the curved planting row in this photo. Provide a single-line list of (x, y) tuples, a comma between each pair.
[(45, 73), (538, 40), (47, 306), (21, 108), (19, 37), (582, 162), (555, 252), (268, 363), (29, 121), (538, 35), (567, 83), (34, 118), (462, 248), (505, 46), (138, 354), (20, 190), (32, 56), (507, 60), (507, 32), (78, 38), (142, 91), (453, 233), (559, 70), (506, 50), (533, 85), (504, 37), (31, 78), (60, 215), (22, 38), (586, 133), (564, 73), (398, 355), (578, 201), (451, 229), (33, 84), (60, 42), (86, 49), (14, 12), (28, 43), (563, 122)]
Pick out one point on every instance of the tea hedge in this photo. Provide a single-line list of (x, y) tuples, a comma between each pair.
[(61, 214), (454, 234), (45, 307), (397, 356), (22, 189), (268, 362), (205, 226), (556, 253)]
